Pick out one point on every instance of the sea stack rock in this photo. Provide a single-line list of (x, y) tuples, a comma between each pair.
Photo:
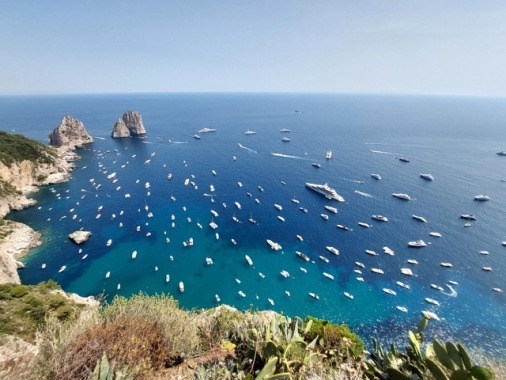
[(79, 237), (70, 133), (129, 125)]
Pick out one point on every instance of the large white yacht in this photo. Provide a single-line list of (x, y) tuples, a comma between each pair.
[(419, 218), (427, 176), (326, 190), (333, 250), (381, 218), (404, 196), (206, 130), (417, 244), (275, 246), (302, 256), (482, 197)]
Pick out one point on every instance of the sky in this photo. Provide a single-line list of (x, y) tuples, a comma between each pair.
[(440, 47)]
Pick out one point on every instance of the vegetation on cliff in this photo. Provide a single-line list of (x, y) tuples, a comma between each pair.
[(17, 148)]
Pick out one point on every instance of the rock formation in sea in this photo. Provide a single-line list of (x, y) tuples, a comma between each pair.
[(80, 237), (129, 125), (70, 133)]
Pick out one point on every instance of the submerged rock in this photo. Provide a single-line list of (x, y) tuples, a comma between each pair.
[(70, 133), (129, 125), (79, 237)]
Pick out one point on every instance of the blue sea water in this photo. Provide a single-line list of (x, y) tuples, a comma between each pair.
[(454, 139)]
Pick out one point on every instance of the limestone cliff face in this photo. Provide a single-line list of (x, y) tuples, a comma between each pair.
[(129, 125), (70, 133)]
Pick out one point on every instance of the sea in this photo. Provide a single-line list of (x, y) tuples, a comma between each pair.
[(120, 191)]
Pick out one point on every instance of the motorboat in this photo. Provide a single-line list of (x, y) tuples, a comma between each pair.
[(217, 297), (188, 243), (371, 252), (316, 165), (209, 261), (406, 271), (501, 153), (248, 132), (402, 308), (376, 176), (270, 301), (377, 271), (215, 214), (359, 264), (487, 269), (402, 284), (134, 255), (279, 207), (62, 269), (432, 301), (248, 260), (241, 293), (324, 216), (403, 196), (299, 237), (323, 258), (419, 218), (446, 265), (206, 130), (109, 242), (331, 209), (344, 228), (284, 130), (435, 234), (302, 256), (285, 139), (181, 286), (482, 198), (365, 225), (235, 219), (389, 291), (348, 295), (437, 287), (412, 262), (196, 137), (238, 205), (281, 218), (167, 277), (295, 200), (380, 218), (169, 176), (315, 296), (388, 251), (403, 159), (108, 274), (417, 244), (260, 188), (326, 190), (427, 176), (329, 276), (468, 217), (333, 250), (233, 241), (285, 273), (328, 155), (213, 172), (430, 315), (275, 246), (303, 209), (239, 184)]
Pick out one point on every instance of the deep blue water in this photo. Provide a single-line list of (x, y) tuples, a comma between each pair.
[(454, 139)]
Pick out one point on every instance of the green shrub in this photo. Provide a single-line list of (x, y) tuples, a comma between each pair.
[(19, 291), (55, 301), (64, 312), (41, 177)]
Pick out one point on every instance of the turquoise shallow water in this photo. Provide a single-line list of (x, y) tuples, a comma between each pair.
[(455, 139)]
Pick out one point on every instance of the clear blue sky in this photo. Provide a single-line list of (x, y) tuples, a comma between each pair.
[(455, 47)]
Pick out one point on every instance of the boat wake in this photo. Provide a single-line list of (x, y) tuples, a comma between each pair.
[(364, 194), (453, 292), (178, 142), (100, 138), (289, 156), (248, 149), (380, 152), (148, 142)]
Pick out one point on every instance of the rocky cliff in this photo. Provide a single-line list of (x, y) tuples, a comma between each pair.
[(129, 125), (70, 133)]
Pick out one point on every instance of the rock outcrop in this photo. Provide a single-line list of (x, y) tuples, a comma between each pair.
[(80, 237), (70, 133), (18, 241), (129, 125)]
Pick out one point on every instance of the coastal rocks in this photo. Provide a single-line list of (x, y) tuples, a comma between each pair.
[(79, 237), (129, 125), (70, 133), (18, 240)]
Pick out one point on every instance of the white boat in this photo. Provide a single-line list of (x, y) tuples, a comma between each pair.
[(109, 242), (196, 137), (389, 291), (260, 188), (217, 236), (417, 244), (248, 132), (303, 270), (403, 159), (329, 276), (209, 261), (251, 220), (468, 217), (206, 130), (285, 139), (278, 207), (402, 308), (281, 218), (215, 214), (380, 218), (233, 241), (402, 284), (430, 315), (411, 261), (186, 181), (365, 225), (188, 243), (435, 234), (371, 252), (328, 155), (333, 250), (270, 301), (62, 269), (432, 301), (359, 264), (419, 218), (377, 270), (376, 176), (239, 184), (302, 256), (285, 274), (437, 287), (303, 209), (295, 200), (315, 296), (248, 260), (241, 293), (501, 153), (326, 190), (211, 188), (238, 205), (234, 218), (403, 196), (324, 216), (331, 209), (134, 255), (406, 271), (299, 237), (344, 228), (275, 246), (388, 251), (167, 277), (482, 197), (213, 225), (487, 269), (427, 176), (169, 176), (316, 165), (323, 258), (498, 290), (108, 274), (284, 130), (181, 286), (446, 265), (348, 295)]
